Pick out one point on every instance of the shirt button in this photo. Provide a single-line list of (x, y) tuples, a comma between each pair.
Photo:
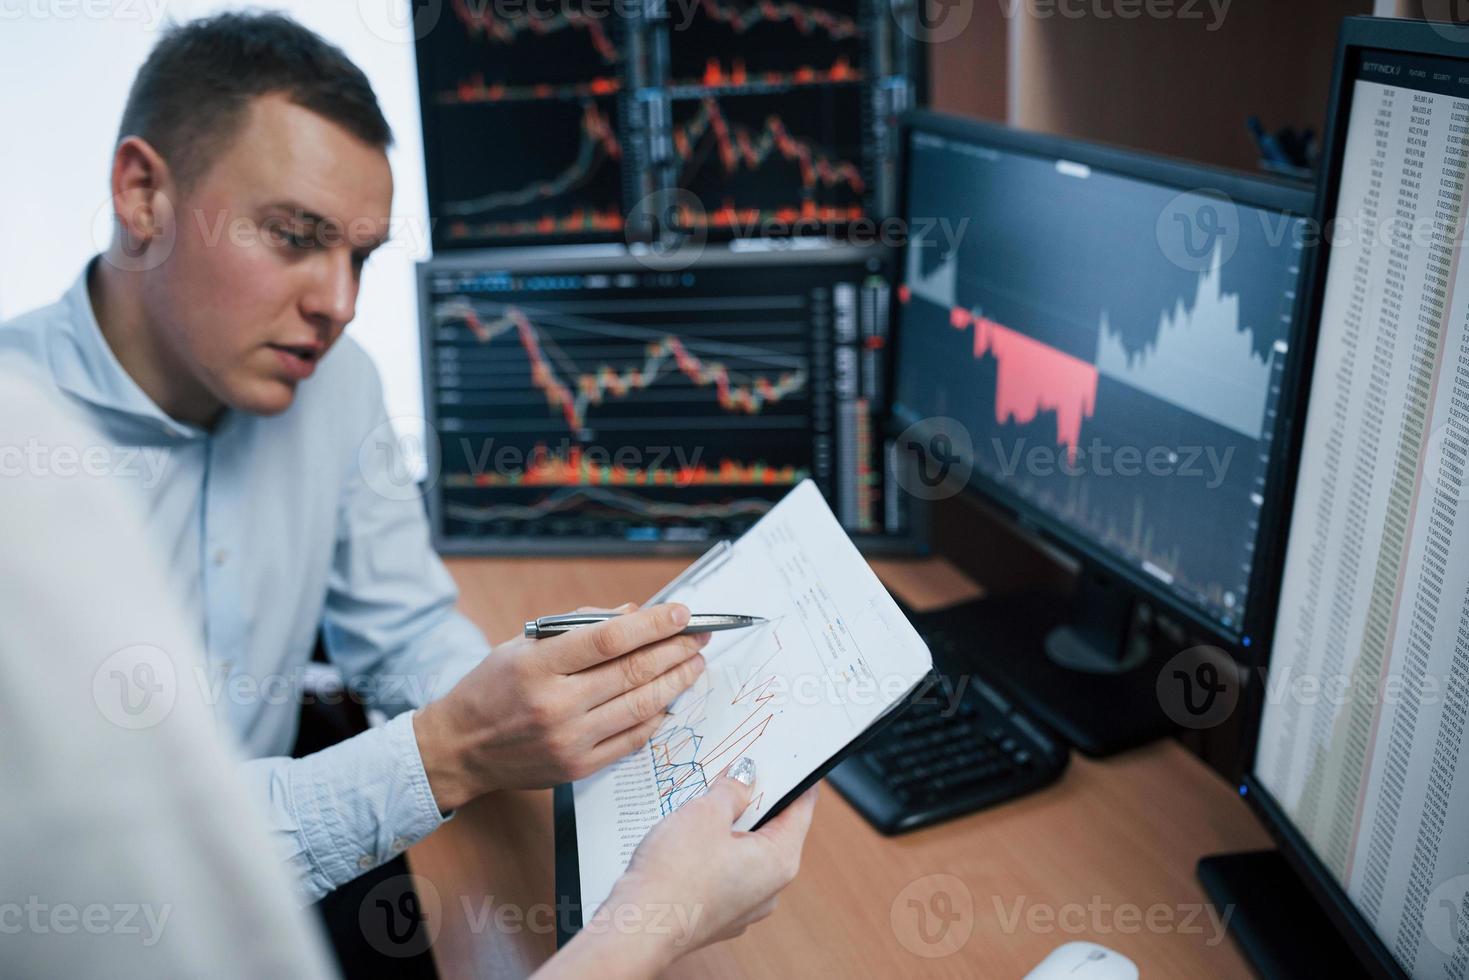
[(399, 844), (220, 557), (365, 862)]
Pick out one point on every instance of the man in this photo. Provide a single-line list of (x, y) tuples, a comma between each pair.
[(250, 184)]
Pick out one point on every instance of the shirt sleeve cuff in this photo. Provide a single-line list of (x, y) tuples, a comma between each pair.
[(362, 802)]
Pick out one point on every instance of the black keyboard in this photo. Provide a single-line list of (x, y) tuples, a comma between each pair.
[(959, 747)]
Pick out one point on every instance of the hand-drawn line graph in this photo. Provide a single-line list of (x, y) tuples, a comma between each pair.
[(685, 758)]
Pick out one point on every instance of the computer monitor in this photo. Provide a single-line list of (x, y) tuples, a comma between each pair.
[(1111, 337), (1360, 766), (554, 123), (589, 399)]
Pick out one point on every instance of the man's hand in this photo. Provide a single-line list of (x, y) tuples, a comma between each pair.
[(539, 712)]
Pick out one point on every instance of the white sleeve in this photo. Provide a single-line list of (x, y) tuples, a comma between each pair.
[(129, 849)]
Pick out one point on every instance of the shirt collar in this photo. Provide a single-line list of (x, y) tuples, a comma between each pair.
[(84, 364)]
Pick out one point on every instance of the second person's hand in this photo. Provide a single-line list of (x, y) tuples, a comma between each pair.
[(694, 880)]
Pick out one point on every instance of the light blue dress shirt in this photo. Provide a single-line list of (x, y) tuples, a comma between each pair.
[(272, 528)]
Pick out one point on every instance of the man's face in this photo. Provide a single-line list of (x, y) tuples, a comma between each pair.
[(268, 257)]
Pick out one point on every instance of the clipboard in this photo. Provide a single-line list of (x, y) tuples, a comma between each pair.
[(843, 627), (563, 811)]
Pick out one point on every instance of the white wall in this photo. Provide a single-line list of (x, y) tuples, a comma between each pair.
[(65, 68)]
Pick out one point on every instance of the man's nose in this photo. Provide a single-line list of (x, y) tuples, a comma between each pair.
[(332, 299)]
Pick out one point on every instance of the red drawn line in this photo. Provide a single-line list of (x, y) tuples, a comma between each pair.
[(736, 742)]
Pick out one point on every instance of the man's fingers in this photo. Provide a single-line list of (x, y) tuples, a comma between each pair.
[(591, 645), (640, 704), (600, 684), (626, 607), (609, 750)]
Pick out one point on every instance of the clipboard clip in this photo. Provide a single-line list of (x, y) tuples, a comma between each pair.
[(705, 564)]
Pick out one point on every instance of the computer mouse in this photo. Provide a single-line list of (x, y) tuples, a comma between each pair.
[(1084, 961)]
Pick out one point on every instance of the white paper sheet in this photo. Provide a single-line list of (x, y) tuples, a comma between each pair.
[(836, 655)]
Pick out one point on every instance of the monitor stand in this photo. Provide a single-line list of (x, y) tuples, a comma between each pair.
[(1084, 671), (1281, 929)]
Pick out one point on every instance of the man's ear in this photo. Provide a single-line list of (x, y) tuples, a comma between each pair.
[(141, 183)]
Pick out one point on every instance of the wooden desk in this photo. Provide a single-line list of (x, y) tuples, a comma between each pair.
[(1107, 854)]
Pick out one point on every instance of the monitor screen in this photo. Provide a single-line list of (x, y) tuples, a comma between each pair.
[(583, 400), (1118, 380), (556, 122), (1362, 736)]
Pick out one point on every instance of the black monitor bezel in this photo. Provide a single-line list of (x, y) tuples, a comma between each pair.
[(619, 258), (1358, 34), (1245, 189)]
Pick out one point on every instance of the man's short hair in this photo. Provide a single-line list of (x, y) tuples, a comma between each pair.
[(190, 97)]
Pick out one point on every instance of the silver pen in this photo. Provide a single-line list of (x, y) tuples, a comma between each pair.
[(543, 626)]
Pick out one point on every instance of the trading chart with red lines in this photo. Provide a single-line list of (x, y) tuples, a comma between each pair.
[(610, 402), (1122, 394), (549, 122)]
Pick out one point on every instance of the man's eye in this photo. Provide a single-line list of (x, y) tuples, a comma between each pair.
[(291, 239)]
